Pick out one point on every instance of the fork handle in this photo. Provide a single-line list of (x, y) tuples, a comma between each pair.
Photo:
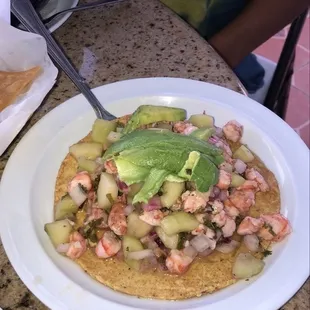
[(27, 15)]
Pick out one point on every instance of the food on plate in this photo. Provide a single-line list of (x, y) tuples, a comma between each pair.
[(13, 84), (158, 206)]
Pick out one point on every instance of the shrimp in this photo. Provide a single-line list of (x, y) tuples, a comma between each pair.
[(96, 214), (243, 200), (253, 175), (252, 185), (79, 186), (201, 229), (77, 245), (193, 201), (177, 206), (219, 219), (250, 225), (110, 166), (117, 219), (108, 245), (275, 228), (122, 198), (224, 146), (230, 209), (229, 228), (153, 217), (184, 128), (224, 179), (233, 131), (178, 262), (217, 206)]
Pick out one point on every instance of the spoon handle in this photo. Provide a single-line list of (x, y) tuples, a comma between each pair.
[(81, 7), (27, 15)]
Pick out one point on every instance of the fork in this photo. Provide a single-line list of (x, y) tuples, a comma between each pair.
[(27, 15)]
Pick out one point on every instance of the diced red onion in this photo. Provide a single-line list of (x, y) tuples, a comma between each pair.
[(227, 247), (251, 242), (77, 195), (63, 247), (153, 235), (200, 243), (122, 186), (160, 252), (120, 254), (216, 191), (219, 132), (89, 208), (223, 195), (190, 251), (162, 266), (149, 242), (153, 204), (213, 139), (240, 166), (138, 255), (128, 209), (205, 253), (148, 264), (218, 235)]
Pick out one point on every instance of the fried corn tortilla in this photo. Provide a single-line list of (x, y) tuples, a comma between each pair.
[(13, 84), (206, 275)]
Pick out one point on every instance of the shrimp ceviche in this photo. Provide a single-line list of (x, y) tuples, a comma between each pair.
[(152, 199)]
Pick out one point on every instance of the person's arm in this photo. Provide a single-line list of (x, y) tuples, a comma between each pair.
[(259, 21)]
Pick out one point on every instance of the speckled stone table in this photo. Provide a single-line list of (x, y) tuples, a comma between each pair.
[(137, 38)]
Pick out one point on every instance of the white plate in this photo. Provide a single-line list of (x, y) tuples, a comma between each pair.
[(26, 197), (54, 6)]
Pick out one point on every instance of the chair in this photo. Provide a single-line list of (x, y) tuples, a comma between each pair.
[(275, 92)]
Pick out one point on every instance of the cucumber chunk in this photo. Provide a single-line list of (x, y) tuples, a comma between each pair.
[(59, 231)]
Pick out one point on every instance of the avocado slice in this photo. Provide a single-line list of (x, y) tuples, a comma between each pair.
[(142, 139), (200, 169), (147, 114), (152, 184)]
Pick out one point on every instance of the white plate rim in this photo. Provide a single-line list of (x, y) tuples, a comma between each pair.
[(166, 85), (54, 26)]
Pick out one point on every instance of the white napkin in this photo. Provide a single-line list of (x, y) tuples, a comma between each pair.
[(21, 50)]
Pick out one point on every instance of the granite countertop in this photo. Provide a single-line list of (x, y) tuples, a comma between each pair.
[(137, 38)]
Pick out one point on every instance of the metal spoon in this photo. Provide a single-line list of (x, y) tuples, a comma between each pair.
[(80, 8), (27, 15)]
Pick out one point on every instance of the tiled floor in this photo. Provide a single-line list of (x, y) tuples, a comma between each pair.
[(298, 113)]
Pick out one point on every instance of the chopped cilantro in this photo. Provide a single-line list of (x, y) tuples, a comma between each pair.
[(238, 220), (267, 253), (110, 198), (211, 224), (182, 238), (160, 193), (267, 226), (96, 183), (82, 188)]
